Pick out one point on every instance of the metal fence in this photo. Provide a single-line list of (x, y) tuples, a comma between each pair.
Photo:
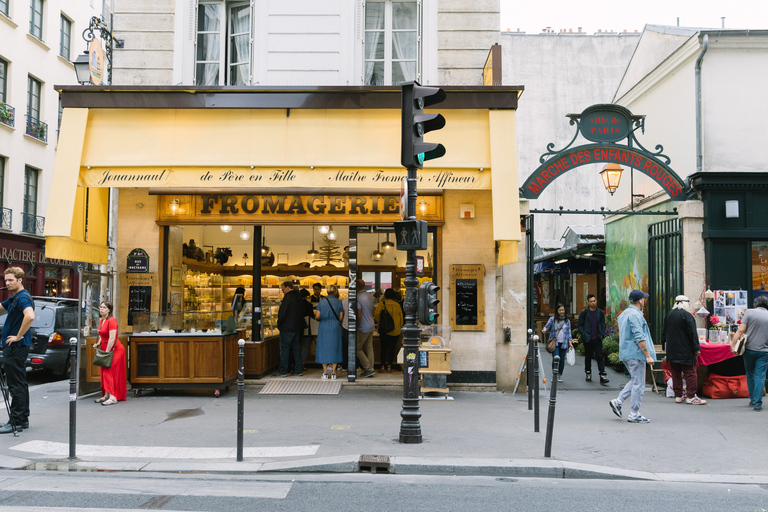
[(665, 272)]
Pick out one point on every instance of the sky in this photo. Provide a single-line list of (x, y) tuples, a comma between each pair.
[(593, 15)]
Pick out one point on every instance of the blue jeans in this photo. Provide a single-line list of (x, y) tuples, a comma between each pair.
[(289, 344), (560, 351), (636, 385), (755, 364)]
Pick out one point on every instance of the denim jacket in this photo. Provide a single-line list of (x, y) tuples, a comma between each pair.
[(632, 330), (553, 334)]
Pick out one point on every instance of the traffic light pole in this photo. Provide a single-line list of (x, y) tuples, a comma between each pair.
[(410, 427)]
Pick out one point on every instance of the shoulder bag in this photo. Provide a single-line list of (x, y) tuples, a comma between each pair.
[(552, 342), (102, 357)]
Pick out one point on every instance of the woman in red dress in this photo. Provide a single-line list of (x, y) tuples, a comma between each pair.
[(113, 379)]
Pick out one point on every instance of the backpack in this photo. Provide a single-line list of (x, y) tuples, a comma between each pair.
[(386, 322)]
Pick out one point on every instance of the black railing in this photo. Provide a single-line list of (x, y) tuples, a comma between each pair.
[(7, 114), (32, 224), (37, 129), (6, 218)]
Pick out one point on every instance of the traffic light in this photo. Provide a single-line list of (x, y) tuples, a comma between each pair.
[(415, 123), (428, 302)]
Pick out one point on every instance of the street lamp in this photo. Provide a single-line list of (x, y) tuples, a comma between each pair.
[(611, 175), (82, 69)]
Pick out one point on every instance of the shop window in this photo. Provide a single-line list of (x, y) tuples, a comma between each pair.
[(65, 37), (223, 43), (392, 44), (51, 288), (36, 18), (66, 282), (759, 269)]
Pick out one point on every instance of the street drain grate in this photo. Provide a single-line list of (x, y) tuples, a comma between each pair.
[(374, 463)]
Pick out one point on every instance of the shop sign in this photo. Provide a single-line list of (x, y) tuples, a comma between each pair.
[(96, 61), (18, 253), (138, 262), (235, 177), (605, 123), (298, 205)]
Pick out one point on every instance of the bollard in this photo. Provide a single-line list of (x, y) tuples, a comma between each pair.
[(535, 346), (240, 398), (552, 402), (72, 397), (528, 373)]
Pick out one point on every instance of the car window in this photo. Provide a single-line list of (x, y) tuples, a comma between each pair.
[(67, 318), (44, 317)]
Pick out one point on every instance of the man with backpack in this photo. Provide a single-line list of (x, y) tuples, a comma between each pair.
[(389, 318)]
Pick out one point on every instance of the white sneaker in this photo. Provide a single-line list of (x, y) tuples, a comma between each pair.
[(639, 418)]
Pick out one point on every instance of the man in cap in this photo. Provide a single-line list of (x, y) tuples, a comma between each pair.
[(635, 350), (681, 340)]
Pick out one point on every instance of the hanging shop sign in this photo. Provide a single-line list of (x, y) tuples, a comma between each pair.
[(235, 177), (96, 61), (138, 262), (287, 208)]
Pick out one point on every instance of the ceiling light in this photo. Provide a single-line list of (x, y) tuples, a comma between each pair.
[(174, 205), (323, 229), (331, 233), (264, 246), (377, 254), (388, 244), (244, 235), (423, 206), (225, 228), (312, 253), (557, 262)]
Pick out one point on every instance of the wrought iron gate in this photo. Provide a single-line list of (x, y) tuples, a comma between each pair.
[(665, 272)]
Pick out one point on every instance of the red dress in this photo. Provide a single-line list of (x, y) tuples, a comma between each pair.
[(113, 379)]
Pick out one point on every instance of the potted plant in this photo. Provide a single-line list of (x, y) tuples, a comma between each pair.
[(6, 113)]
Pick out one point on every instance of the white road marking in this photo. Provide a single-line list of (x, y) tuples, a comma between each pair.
[(78, 509), (162, 452), (146, 486)]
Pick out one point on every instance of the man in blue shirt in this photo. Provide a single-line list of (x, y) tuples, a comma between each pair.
[(16, 340), (635, 350), (364, 336)]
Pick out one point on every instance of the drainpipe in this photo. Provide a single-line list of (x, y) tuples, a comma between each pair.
[(704, 46)]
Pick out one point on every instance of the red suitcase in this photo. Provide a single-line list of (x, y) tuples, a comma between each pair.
[(717, 386)]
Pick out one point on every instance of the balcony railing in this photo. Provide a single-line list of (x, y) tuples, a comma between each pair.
[(32, 224), (37, 129), (6, 218), (7, 114)]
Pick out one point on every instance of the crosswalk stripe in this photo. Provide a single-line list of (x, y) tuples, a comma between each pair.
[(163, 452)]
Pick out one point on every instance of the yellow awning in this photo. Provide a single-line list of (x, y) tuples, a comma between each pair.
[(77, 219)]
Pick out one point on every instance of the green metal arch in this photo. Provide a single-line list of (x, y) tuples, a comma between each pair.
[(571, 158)]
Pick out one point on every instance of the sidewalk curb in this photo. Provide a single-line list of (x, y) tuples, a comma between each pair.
[(445, 466)]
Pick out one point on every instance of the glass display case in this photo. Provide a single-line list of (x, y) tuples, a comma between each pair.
[(184, 323), (269, 319)]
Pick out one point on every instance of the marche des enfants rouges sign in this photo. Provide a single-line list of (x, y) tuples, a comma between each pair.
[(605, 125)]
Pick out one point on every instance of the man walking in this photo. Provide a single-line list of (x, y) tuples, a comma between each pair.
[(16, 340), (290, 321), (365, 330), (755, 325), (591, 333), (635, 350), (681, 340)]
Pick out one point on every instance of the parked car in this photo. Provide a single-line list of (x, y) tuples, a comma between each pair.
[(55, 323)]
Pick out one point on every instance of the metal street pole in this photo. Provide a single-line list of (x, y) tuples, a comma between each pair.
[(240, 397), (72, 397), (410, 427)]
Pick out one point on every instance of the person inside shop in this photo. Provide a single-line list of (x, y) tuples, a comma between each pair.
[(315, 299), (290, 322), (306, 334), (113, 379), (388, 339), (365, 329), (345, 334), (328, 349), (559, 328), (16, 341)]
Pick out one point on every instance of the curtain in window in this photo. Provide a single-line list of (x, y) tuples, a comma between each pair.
[(208, 44), (374, 43), (404, 41), (240, 47)]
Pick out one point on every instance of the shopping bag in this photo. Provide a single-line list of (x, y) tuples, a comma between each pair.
[(570, 356)]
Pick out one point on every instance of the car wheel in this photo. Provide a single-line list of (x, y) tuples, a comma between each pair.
[(64, 370)]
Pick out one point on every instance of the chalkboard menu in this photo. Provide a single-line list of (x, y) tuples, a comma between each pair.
[(466, 302), (139, 301), (467, 299)]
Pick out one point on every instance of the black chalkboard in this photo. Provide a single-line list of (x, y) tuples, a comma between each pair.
[(466, 302), (139, 301)]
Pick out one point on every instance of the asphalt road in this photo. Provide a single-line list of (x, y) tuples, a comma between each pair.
[(32, 491)]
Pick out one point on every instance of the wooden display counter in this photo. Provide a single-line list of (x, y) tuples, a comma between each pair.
[(185, 360), (434, 366), (261, 357)]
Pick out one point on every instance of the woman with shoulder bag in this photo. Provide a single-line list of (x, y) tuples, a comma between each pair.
[(113, 380), (388, 339), (558, 330), (330, 315)]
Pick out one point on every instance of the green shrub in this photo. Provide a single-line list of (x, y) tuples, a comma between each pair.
[(611, 345), (613, 358)]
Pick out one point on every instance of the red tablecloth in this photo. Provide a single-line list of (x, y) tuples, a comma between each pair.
[(712, 353)]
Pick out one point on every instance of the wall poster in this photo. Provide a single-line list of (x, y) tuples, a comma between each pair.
[(730, 306), (466, 298)]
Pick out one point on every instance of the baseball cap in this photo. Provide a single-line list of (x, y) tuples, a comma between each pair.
[(636, 295)]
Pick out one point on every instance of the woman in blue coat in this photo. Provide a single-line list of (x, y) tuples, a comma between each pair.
[(559, 327), (330, 314)]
